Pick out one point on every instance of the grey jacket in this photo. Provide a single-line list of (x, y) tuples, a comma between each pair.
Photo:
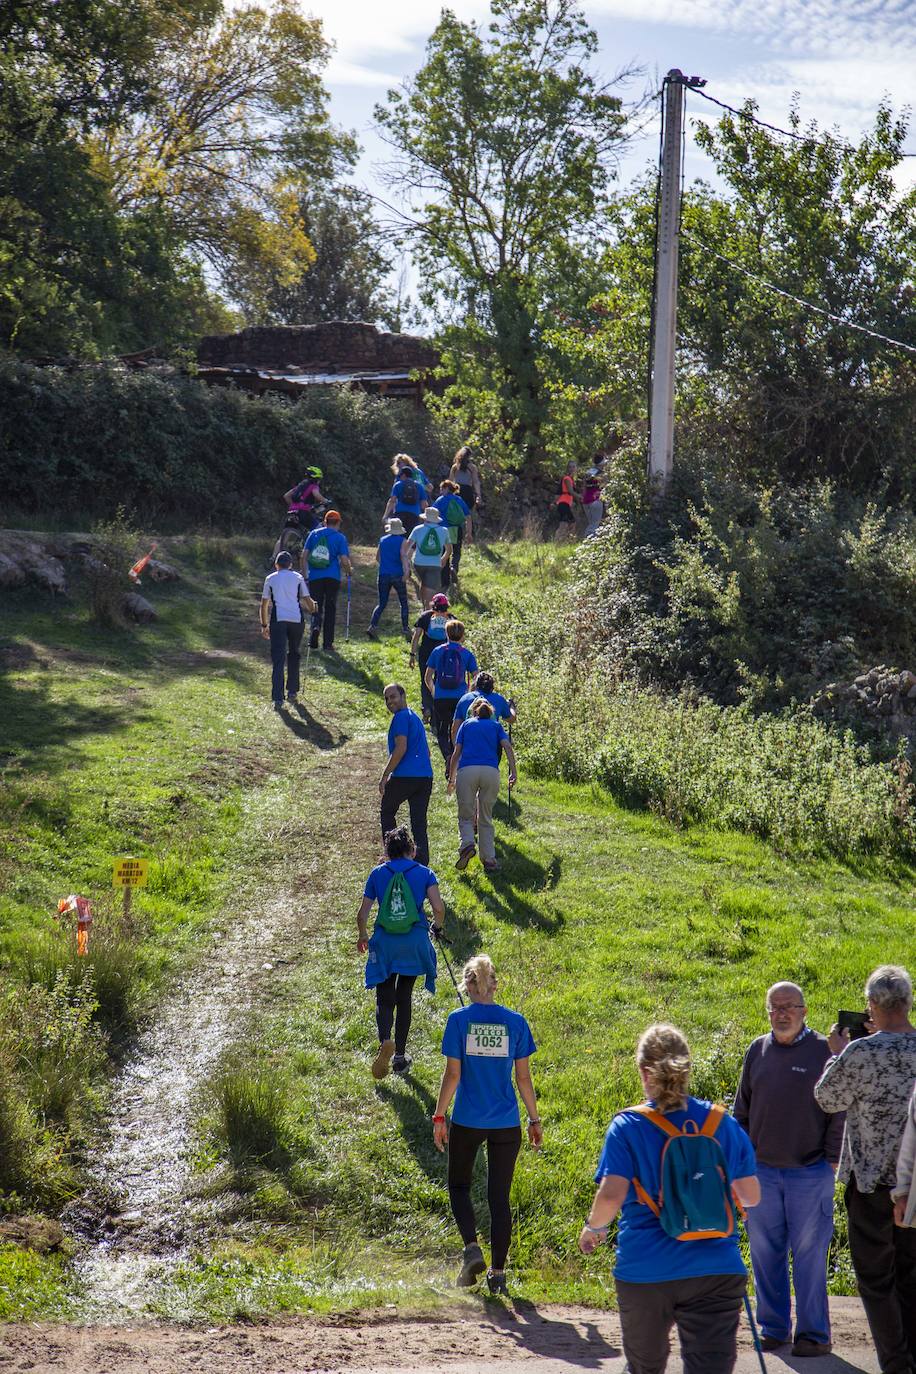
[(906, 1165)]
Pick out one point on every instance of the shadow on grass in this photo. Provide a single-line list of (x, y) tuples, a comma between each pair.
[(505, 894), (32, 719), (343, 670), (413, 1110), (509, 816), (310, 730)]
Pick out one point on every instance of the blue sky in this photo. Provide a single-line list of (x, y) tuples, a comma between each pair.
[(841, 55)]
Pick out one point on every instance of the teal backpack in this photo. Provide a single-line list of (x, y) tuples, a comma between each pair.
[(695, 1202), (320, 554), (431, 542), (397, 911)]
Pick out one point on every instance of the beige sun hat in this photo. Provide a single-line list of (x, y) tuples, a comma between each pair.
[(431, 516), (394, 525)]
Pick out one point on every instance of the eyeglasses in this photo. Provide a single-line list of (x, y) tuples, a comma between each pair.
[(790, 1006)]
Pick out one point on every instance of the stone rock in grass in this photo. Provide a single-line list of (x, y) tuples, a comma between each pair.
[(161, 572), (43, 568), (138, 608), (11, 572)]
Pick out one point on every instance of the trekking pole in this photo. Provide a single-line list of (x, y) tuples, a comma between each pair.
[(757, 1346), (347, 631), (442, 942)]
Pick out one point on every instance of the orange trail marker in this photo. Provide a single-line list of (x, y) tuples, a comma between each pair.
[(137, 569), (82, 908)]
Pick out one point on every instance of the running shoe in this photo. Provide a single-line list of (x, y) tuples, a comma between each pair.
[(382, 1061), (372, 632), (497, 1284), (472, 1266), (401, 1063), (465, 856), (491, 865)]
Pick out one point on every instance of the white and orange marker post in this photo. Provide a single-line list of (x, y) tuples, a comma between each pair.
[(140, 565), (128, 873), (82, 909)]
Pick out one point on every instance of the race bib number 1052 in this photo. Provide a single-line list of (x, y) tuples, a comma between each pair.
[(488, 1040)]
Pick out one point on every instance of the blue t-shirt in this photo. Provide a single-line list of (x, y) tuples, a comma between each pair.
[(397, 491), (416, 762), (645, 1253), (442, 504), (480, 741), (501, 708), (337, 545), (469, 665), (487, 1039), (389, 555), (419, 878)]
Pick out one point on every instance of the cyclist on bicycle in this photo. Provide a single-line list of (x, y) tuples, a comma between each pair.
[(305, 498)]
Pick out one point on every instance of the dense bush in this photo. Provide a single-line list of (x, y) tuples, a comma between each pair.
[(76, 445), (784, 777), (745, 594)]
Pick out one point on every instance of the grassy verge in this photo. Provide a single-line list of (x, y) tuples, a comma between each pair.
[(601, 920)]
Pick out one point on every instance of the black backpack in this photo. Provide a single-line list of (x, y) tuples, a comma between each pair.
[(410, 492)]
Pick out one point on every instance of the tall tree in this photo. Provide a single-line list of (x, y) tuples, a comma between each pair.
[(506, 142), (347, 280)]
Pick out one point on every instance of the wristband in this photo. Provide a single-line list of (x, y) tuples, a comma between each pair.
[(595, 1230), (439, 1120), (534, 1121)]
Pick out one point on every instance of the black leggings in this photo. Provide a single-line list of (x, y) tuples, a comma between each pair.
[(394, 995), (502, 1151)]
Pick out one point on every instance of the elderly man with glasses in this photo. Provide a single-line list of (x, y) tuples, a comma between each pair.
[(871, 1079), (797, 1146)]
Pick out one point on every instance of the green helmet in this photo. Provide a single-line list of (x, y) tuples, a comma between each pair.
[(315, 473)]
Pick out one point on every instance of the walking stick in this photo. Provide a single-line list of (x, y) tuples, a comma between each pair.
[(442, 942), (757, 1346), (347, 631)]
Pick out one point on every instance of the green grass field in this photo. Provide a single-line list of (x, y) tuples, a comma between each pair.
[(162, 743)]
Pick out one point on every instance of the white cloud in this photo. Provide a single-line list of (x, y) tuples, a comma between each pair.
[(340, 72), (364, 29)]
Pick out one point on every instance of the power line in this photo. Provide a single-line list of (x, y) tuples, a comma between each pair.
[(775, 128), (798, 300)]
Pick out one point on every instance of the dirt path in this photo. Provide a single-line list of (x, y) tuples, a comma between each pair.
[(142, 1215), (536, 1340)]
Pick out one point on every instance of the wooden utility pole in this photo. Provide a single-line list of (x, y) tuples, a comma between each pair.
[(661, 410)]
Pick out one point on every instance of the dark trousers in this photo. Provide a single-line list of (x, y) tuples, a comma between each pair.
[(394, 1007), (387, 584), (706, 1312), (408, 520), (426, 695), (456, 549), (285, 652), (884, 1260), (502, 1151), (324, 592), (444, 714), (416, 792)]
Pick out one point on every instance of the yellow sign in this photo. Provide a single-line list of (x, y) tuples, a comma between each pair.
[(130, 872)]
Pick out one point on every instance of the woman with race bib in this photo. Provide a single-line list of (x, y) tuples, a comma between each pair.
[(483, 1043), (400, 949)]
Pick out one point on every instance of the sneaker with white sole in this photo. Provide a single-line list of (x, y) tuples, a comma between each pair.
[(382, 1061), (472, 1266), (401, 1063)]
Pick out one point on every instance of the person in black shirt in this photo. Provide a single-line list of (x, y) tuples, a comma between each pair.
[(798, 1148), (429, 633)]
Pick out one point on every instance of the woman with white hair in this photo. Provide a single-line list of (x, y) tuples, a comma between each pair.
[(483, 1044), (871, 1079), (669, 1273)]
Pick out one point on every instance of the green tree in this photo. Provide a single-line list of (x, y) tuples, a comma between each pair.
[(506, 143), (347, 280)]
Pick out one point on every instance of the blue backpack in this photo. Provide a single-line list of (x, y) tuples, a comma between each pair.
[(695, 1202), (450, 675)]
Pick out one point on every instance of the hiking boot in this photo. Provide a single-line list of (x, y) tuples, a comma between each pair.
[(382, 1060), (773, 1342), (472, 1266), (292, 698), (465, 856), (401, 1063), (497, 1284), (806, 1347), (278, 705), (491, 865), (407, 633), (372, 632)]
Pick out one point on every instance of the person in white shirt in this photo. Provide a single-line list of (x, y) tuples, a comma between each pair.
[(284, 599)]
